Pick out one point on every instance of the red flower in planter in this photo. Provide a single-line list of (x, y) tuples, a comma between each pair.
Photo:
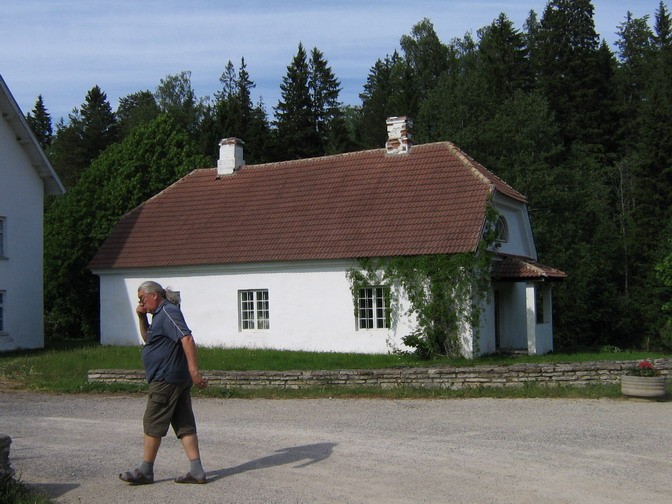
[(644, 368)]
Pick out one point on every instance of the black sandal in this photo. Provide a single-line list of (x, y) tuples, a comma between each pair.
[(188, 478), (136, 477)]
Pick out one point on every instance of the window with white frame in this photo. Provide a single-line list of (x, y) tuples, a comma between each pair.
[(2, 311), (3, 235), (502, 230), (254, 309), (373, 308)]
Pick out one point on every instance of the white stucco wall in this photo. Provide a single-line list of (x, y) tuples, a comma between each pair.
[(311, 307), (21, 203)]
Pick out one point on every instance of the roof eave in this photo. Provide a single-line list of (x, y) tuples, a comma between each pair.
[(24, 136)]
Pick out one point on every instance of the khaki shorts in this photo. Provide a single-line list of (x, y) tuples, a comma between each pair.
[(169, 404)]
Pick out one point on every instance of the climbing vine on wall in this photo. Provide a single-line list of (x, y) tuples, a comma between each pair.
[(445, 291)]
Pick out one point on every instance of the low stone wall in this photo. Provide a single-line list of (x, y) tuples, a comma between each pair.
[(568, 374)]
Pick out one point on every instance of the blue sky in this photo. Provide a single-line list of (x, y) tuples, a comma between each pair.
[(62, 48)]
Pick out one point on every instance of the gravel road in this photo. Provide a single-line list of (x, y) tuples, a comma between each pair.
[(351, 451)]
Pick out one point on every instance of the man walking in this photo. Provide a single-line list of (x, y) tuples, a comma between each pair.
[(171, 368)]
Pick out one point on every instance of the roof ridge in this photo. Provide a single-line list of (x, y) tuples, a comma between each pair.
[(468, 162), (310, 159), (355, 153), (477, 168)]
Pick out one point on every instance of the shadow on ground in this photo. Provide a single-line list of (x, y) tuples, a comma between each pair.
[(310, 453)]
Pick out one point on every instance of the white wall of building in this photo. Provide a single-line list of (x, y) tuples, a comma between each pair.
[(311, 307), (521, 240), (21, 204)]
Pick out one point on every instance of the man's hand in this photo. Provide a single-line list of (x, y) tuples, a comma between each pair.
[(199, 380)]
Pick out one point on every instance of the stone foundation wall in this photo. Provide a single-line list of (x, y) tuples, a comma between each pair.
[(569, 374)]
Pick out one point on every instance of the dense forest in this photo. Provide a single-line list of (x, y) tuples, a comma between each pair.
[(584, 131)]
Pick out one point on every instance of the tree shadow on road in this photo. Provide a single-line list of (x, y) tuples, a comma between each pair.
[(310, 453), (53, 490)]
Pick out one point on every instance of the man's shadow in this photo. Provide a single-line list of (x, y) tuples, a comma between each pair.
[(310, 453)]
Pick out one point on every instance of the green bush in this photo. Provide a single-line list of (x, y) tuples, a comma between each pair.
[(15, 492)]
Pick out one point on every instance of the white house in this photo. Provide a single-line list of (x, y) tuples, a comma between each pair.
[(260, 253), (26, 176)]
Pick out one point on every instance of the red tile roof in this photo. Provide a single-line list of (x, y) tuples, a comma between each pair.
[(520, 268), (361, 204)]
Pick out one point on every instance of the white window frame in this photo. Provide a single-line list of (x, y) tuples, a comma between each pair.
[(502, 230), (373, 308), (254, 310)]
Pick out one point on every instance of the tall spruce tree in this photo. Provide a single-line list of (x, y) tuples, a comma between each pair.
[(380, 100), (503, 59), (234, 115), (92, 128), (325, 89), (570, 74), (39, 121), (297, 136)]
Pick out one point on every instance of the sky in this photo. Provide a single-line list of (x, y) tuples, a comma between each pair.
[(62, 48)]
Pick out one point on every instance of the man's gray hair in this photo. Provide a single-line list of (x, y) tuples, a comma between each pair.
[(151, 287)]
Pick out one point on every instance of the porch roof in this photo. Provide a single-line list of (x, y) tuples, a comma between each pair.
[(514, 268)]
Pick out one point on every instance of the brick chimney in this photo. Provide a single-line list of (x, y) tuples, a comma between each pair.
[(230, 156), (399, 138)]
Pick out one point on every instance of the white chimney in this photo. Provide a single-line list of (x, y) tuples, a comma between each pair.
[(230, 156), (399, 138)]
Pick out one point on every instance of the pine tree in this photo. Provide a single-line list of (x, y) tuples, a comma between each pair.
[(503, 59), (296, 134), (379, 100), (325, 89), (234, 115), (570, 74), (91, 129), (40, 123), (98, 123)]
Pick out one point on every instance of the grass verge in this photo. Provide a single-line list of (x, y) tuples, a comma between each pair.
[(65, 371)]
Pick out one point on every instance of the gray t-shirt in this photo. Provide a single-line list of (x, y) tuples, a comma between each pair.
[(162, 355)]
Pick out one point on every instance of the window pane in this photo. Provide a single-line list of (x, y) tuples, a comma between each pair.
[(373, 308), (254, 309), (366, 308)]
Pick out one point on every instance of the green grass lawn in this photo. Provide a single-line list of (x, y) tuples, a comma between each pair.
[(65, 370)]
